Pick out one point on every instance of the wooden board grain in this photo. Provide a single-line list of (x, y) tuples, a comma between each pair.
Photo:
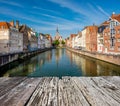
[(94, 94), (19, 95), (52, 91), (7, 84)]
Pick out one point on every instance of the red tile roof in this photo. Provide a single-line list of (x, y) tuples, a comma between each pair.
[(116, 17), (72, 35), (105, 23), (4, 25)]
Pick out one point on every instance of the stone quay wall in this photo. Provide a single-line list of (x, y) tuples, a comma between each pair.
[(114, 59)]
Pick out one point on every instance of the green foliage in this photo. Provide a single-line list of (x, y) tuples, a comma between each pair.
[(63, 42), (56, 42)]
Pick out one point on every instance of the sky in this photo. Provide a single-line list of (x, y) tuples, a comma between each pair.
[(70, 16)]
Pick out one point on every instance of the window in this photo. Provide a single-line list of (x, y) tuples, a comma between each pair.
[(114, 32), (113, 23), (112, 42)]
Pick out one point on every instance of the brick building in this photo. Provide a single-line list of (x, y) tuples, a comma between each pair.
[(71, 43), (112, 35), (91, 38)]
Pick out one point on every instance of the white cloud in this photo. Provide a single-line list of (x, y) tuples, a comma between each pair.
[(86, 14), (10, 3), (91, 12), (101, 10), (48, 10), (70, 5)]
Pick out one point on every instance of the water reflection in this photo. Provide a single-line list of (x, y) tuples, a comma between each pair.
[(61, 62), (93, 67), (29, 66)]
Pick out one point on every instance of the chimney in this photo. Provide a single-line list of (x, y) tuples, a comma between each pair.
[(12, 23), (17, 24)]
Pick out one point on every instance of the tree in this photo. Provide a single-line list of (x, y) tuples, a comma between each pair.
[(56, 42), (63, 42)]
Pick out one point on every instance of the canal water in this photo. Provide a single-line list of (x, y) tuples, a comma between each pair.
[(58, 63)]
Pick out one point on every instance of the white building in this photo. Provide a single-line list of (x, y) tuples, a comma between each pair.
[(100, 40), (41, 41), (100, 37), (83, 39), (73, 42), (11, 40), (80, 40), (47, 43)]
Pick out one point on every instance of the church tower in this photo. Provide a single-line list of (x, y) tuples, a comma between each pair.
[(57, 34)]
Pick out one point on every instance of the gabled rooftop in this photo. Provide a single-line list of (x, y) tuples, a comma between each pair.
[(5, 25), (116, 17), (105, 23), (92, 28), (73, 35)]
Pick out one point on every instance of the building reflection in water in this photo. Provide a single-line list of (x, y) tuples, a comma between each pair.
[(29, 66), (92, 67), (58, 55), (59, 63)]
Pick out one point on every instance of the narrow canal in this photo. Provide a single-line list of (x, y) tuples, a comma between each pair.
[(60, 62)]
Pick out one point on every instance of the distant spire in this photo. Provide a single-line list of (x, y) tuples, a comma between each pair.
[(57, 30), (57, 34)]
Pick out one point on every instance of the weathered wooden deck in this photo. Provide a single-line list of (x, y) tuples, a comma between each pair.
[(68, 91)]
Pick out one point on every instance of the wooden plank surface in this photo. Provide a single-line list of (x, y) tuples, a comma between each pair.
[(73, 95), (96, 95), (6, 84), (19, 95), (45, 94), (52, 91)]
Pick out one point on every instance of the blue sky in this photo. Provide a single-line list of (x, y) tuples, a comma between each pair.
[(69, 15)]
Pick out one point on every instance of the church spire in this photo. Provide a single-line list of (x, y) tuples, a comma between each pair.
[(57, 30), (57, 34)]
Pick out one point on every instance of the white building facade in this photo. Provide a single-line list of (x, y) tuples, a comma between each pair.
[(83, 39), (80, 40), (11, 40)]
